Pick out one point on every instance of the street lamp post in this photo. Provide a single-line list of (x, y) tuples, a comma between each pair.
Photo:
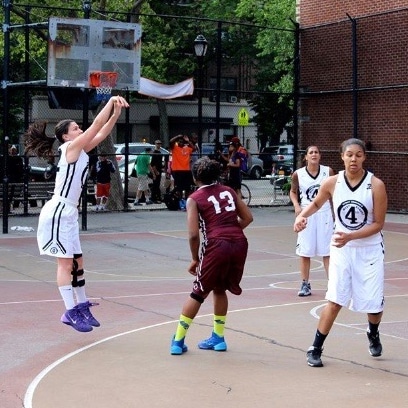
[(200, 49)]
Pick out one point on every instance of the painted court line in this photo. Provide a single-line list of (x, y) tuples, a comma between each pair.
[(28, 398)]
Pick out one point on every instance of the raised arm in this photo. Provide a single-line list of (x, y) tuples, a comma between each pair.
[(99, 129)]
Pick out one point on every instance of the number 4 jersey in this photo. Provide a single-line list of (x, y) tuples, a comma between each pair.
[(217, 212), (353, 208)]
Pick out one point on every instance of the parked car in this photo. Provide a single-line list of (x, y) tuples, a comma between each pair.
[(133, 181), (255, 165), (134, 150), (284, 153), (36, 173), (279, 154)]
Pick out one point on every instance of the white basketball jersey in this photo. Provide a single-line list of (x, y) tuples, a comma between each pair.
[(309, 185), (70, 178), (353, 208)]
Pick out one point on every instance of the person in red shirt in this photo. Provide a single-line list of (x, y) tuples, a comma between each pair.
[(181, 150), (221, 215)]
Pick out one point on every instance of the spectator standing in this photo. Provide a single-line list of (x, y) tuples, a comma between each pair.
[(143, 170), (157, 169), (218, 267), (234, 175), (242, 152), (93, 159), (315, 239), (356, 268), (104, 169), (181, 150), (15, 174), (58, 229), (196, 154)]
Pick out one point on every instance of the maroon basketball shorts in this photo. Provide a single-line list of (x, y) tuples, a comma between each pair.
[(221, 266)]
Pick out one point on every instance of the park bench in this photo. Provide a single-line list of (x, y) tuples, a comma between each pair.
[(40, 191)]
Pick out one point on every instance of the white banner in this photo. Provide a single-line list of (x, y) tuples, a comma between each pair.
[(162, 91)]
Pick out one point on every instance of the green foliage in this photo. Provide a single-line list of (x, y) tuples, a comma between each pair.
[(265, 49), (276, 44), (163, 41), (286, 187)]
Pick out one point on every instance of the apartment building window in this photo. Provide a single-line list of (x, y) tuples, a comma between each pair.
[(228, 89)]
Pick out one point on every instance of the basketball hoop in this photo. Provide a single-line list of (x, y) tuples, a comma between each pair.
[(103, 82)]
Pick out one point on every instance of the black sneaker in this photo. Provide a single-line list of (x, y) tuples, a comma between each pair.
[(313, 356), (305, 289), (375, 347)]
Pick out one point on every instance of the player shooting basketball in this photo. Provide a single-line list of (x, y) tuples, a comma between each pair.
[(58, 229)]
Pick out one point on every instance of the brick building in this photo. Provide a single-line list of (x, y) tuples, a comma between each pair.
[(354, 83)]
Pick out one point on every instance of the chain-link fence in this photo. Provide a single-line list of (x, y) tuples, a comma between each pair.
[(231, 98), (354, 84)]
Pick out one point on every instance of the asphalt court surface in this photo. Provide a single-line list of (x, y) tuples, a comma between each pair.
[(136, 270)]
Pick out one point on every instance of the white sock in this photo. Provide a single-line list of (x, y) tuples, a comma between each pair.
[(67, 296), (80, 293)]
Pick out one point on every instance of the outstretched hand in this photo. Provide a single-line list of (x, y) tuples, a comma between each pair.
[(119, 101)]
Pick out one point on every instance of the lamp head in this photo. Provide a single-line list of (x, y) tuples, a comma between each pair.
[(200, 46)]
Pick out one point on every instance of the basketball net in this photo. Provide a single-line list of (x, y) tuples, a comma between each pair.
[(103, 82)]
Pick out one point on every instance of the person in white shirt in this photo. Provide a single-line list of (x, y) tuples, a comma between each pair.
[(356, 269), (315, 239), (58, 228)]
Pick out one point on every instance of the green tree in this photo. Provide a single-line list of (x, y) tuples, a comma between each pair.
[(262, 53), (274, 75), (266, 51)]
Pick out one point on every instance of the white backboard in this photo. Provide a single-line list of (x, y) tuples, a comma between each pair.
[(77, 47)]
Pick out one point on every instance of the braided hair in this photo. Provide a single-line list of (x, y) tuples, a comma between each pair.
[(206, 171)]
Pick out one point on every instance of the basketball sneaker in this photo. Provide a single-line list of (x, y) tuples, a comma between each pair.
[(305, 289), (178, 347), (74, 318), (375, 347), (313, 356), (215, 343), (86, 313)]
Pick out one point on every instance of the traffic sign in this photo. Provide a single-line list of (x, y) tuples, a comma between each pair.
[(243, 117)]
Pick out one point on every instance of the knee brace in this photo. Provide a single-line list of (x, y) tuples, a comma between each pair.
[(196, 297), (77, 272)]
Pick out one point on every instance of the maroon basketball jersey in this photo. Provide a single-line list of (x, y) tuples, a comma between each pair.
[(217, 212)]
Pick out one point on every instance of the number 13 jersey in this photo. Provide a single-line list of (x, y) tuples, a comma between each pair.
[(217, 212), (353, 208)]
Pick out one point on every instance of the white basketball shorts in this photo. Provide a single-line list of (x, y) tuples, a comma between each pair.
[(356, 278)]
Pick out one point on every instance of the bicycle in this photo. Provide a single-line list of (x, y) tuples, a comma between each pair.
[(246, 194), (245, 191)]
